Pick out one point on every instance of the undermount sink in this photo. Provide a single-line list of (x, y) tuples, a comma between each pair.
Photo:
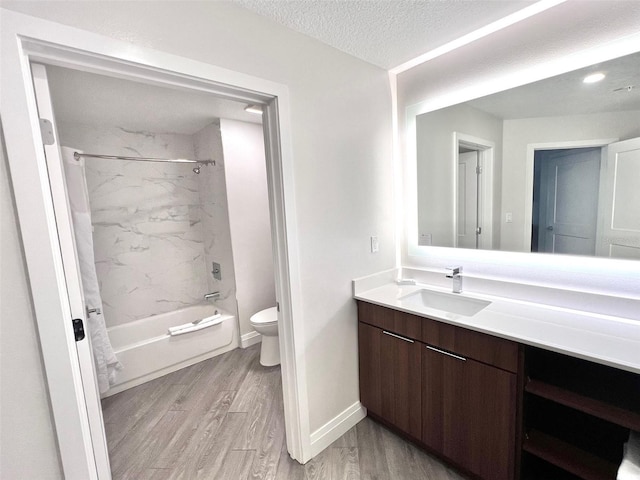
[(447, 302)]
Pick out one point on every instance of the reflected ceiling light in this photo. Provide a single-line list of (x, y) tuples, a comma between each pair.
[(594, 77), (257, 109)]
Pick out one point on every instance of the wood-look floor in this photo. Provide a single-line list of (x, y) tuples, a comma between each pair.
[(223, 419)]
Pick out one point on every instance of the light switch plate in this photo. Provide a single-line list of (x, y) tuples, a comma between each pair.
[(375, 246), (425, 240)]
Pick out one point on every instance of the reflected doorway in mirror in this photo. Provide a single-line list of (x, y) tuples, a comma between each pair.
[(473, 192), (565, 200)]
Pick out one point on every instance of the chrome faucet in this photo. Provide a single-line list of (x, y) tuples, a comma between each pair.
[(456, 275)]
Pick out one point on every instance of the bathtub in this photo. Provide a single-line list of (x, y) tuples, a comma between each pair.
[(147, 351)]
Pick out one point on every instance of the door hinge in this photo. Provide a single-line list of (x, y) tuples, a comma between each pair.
[(478, 230), (478, 170), (78, 329), (46, 131)]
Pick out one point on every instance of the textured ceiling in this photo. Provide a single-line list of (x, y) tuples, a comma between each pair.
[(383, 32), (386, 33)]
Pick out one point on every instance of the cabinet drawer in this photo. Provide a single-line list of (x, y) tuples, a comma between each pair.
[(391, 320), (484, 348)]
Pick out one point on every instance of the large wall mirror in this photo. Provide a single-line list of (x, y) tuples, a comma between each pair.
[(552, 166)]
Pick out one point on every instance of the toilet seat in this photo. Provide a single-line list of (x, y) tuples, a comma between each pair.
[(265, 317)]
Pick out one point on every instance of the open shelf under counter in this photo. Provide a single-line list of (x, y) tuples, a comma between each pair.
[(568, 457), (599, 390), (577, 414), (597, 408)]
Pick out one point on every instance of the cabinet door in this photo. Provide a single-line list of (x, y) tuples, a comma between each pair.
[(468, 413), (390, 377)]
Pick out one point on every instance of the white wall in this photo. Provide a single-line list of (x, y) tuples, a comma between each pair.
[(248, 199), (340, 112), (492, 63), (27, 435), (519, 133), (435, 169)]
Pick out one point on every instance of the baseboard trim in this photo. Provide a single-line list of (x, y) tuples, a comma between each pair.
[(336, 427), (249, 339)]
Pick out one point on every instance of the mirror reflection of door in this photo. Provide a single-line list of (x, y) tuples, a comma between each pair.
[(468, 197), (619, 234), (565, 200), (473, 212)]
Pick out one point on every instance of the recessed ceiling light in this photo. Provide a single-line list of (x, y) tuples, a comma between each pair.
[(594, 77), (257, 109)]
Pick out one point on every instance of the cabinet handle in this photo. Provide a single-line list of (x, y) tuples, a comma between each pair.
[(397, 336), (446, 353)]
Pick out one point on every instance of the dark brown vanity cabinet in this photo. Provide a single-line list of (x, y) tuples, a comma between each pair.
[(390, 377), (468, 413), (493, 407), (451, 390)]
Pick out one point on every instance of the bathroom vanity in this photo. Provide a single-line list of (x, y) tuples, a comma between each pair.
[(492, 393)]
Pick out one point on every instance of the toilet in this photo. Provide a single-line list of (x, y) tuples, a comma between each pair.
[(265, 322)]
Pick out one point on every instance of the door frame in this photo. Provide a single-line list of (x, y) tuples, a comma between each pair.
[(485, 149), (529, 174), (25, 39), (69, 253)]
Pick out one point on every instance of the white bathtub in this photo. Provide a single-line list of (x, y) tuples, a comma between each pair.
[(147, 351)]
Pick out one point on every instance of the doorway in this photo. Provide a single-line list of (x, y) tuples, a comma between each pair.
[(473, 213), (565, 200), (55, 300), (469, 201), (145, 226)]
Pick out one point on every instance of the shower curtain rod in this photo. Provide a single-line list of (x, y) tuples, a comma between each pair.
[(77, 156)]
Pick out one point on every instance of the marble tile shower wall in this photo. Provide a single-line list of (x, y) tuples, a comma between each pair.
[(214, 215), (147, 219)]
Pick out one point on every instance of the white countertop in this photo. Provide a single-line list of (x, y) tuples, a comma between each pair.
[(604, 339)]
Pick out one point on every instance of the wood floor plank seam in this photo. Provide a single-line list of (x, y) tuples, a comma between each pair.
[(223, 419)]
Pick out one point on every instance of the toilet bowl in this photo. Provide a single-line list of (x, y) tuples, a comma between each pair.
[(265, 322)]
